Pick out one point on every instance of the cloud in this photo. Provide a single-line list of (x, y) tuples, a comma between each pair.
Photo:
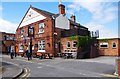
[(6, 26), (102, 13)]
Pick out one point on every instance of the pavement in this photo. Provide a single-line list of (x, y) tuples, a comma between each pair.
[(9, 69)]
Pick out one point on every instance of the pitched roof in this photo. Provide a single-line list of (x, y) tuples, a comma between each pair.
[(77, 24), (49, 14), (74, 23)]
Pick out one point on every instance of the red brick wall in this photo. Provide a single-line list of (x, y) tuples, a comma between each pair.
[(47, 35), (64, 42), (118, 66), (109, 51)]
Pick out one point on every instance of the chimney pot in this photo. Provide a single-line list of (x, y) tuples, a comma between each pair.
[(73, 18), (61, 9)]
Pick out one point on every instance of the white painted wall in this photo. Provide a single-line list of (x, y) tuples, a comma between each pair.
[(62, 22), (31, 17)]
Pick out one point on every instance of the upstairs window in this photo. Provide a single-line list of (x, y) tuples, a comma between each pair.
[(7, 37), (74, 44), (11, 38), (103, 45), (68, 44), (30, 31), (21, 31), (114, 45), (41, 28)]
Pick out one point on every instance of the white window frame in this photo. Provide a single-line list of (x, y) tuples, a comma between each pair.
[(21, 32), (41, 25), (31, 30), (42, 45), (7, 37), (104, 43), (67, 44), (73, 45), (115, 44), (21, 50)]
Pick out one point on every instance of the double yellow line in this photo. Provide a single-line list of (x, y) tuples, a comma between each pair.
[(27, 73), (109, 75)]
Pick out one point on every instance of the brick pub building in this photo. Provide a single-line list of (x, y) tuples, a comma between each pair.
[(47, 31)]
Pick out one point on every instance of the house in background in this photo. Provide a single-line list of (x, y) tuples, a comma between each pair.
[(7, 42), (109, 47), (47, 30)]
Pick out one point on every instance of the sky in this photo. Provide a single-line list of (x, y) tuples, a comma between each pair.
[(94, 15)]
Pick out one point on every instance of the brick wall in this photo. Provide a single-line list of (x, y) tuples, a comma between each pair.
[(64, 42), (47, 35), (110, 51), (118, 61)]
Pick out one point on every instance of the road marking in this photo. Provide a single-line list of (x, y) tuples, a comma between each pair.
[(108, 75), (83, 74), (11, 63), (27, 73), (39, 67)]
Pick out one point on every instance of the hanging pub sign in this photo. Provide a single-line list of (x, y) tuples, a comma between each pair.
[(30, 31)]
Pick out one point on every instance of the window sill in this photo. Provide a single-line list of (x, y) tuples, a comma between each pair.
[(40, 32), (21, 51), (103, 47), (41, 51), (68, 47), (74, 47), (113, 47)]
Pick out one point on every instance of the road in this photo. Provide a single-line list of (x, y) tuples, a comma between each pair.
[(63, 67)]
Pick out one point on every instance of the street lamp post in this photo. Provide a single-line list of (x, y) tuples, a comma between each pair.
[(31, 35), (31, 47)]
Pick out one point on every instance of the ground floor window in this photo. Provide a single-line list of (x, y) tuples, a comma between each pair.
[(21, 47), (103, 45), (114, 45), (74, 44), (68, 44), (41, 46)]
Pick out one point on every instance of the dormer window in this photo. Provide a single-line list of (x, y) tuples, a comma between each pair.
[(41, 28)]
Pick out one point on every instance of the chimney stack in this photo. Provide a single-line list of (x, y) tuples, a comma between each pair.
[(61, 8), (73, 18)]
